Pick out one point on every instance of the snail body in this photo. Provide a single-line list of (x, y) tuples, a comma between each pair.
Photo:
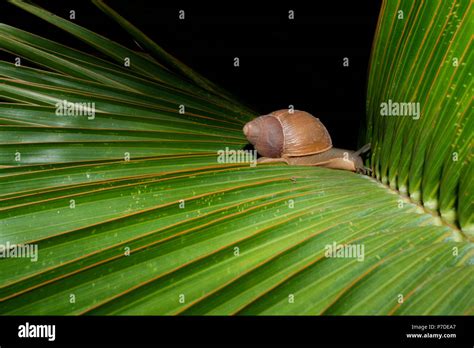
[(298, 138)]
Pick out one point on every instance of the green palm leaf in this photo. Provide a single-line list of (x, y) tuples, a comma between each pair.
[(132, 212)]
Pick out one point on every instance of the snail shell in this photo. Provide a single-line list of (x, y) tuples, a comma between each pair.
[(284, 133)]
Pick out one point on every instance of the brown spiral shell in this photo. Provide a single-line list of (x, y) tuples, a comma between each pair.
[(284, 133)]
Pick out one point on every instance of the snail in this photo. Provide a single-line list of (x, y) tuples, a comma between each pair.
[(299, 138)]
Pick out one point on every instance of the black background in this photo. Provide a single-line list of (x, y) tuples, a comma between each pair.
[(282, 61), (274, 331)]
